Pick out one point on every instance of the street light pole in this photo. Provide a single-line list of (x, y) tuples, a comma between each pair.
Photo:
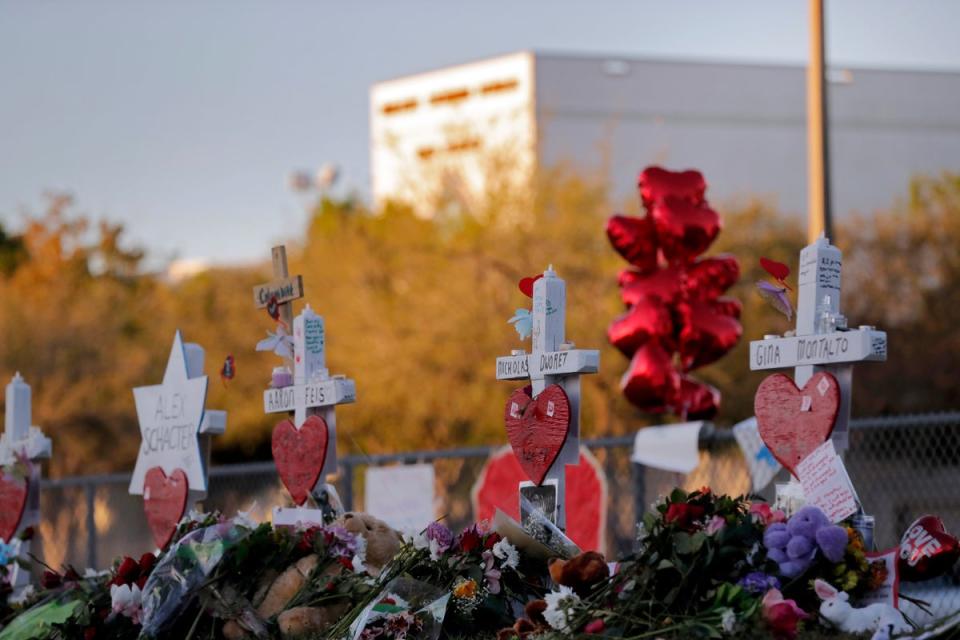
[(820, 217)]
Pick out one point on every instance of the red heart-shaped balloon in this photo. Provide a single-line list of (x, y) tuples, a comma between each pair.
[(665, 285), (794, 422), (696, 400), (646, 320), (635, 239), (299, 454), (927, 550), (13, 500), (651, 382), (705, 335), (537, 428), (164, 502), (684, 229), (526, 285), (657, 183), (708, 278), (727, 306)]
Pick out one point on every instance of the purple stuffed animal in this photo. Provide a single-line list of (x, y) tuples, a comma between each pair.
[(794, 545)]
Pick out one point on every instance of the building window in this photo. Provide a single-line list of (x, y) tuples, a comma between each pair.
[(393, 108), (499, 86), (450, 97)]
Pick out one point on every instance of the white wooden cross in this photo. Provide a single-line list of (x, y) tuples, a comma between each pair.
[(175, 425), (821, 341), (20, 438), (314, 391), (553, 361)]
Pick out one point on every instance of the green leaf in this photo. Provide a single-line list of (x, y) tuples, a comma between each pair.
[(36, 622), (678, 495)]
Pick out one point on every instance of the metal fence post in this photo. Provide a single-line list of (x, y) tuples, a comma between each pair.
[(90, 492), (347, 465)]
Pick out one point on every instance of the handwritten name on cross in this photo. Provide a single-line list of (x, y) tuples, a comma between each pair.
[(553, 361), (284, 289), (821, 341), (21, 439), (175, 425)]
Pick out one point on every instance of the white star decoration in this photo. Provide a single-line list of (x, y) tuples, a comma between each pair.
[(170, 415)]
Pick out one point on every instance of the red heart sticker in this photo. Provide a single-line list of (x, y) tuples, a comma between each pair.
[(793, 422), (164, 502), (537, 428), (526, 285), (13, 500), (299, 455)]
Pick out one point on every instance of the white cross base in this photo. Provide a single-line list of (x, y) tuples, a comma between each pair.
[(816, 344), (553, 361)]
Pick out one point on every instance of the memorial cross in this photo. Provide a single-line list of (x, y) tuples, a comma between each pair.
[(553, 360), (821, 341), (312, 391), (20, 440), (283, 290)]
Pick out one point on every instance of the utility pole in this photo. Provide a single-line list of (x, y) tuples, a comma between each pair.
[(820, 219)]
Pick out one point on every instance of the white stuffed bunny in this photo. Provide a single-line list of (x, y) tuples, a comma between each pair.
[(883, 619)]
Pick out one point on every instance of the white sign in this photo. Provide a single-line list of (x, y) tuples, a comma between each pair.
[(826, 483), (672, 447), (171, 415), (402, 496)]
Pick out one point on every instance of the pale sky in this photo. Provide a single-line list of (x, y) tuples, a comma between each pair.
[(183, 120)]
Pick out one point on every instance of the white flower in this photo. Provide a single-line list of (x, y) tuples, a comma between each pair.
[(244, 519), (89, 573), (360, 557), (127, 601), (193, 516), (435, 552), (417, 538), (728, 620), (21, 596), (559, 607), (507, 553)]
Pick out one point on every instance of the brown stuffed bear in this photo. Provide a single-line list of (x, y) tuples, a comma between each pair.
[(382, 541), (581, 572)]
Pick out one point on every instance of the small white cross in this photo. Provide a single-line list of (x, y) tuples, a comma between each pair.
[(314, 391), (821, 341), (20, 438), (553, 361)]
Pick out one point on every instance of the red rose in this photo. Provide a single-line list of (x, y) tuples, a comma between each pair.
[(71, 575), (50, 580), (147, 562), (782, 615), (470, 540), (684, 515), (491, 540), (128, 571)]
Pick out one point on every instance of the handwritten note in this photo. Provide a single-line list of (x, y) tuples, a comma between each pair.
[(401, 496), (826, 483)]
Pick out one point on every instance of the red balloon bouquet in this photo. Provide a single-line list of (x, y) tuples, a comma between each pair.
[(674, 297)]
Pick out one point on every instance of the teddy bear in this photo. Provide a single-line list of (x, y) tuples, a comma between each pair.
[(383, 542), (581, 572), (276, 591), (793, 545)]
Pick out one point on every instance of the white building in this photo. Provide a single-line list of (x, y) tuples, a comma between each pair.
[(743, 125)]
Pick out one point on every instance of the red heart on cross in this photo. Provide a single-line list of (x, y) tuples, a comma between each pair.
[(164, 502), (299, 454), (13, 500), (794, 422), (537, 428), (526, 285)]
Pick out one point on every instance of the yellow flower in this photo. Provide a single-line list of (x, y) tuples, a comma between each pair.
[(465, 589)]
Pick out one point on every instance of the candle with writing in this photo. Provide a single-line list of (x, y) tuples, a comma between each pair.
[(309, 340)]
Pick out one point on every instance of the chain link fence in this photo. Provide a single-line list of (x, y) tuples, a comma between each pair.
[(903, 467)]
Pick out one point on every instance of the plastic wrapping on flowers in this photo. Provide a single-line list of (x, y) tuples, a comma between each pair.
[(405, 608), (182, 570)]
